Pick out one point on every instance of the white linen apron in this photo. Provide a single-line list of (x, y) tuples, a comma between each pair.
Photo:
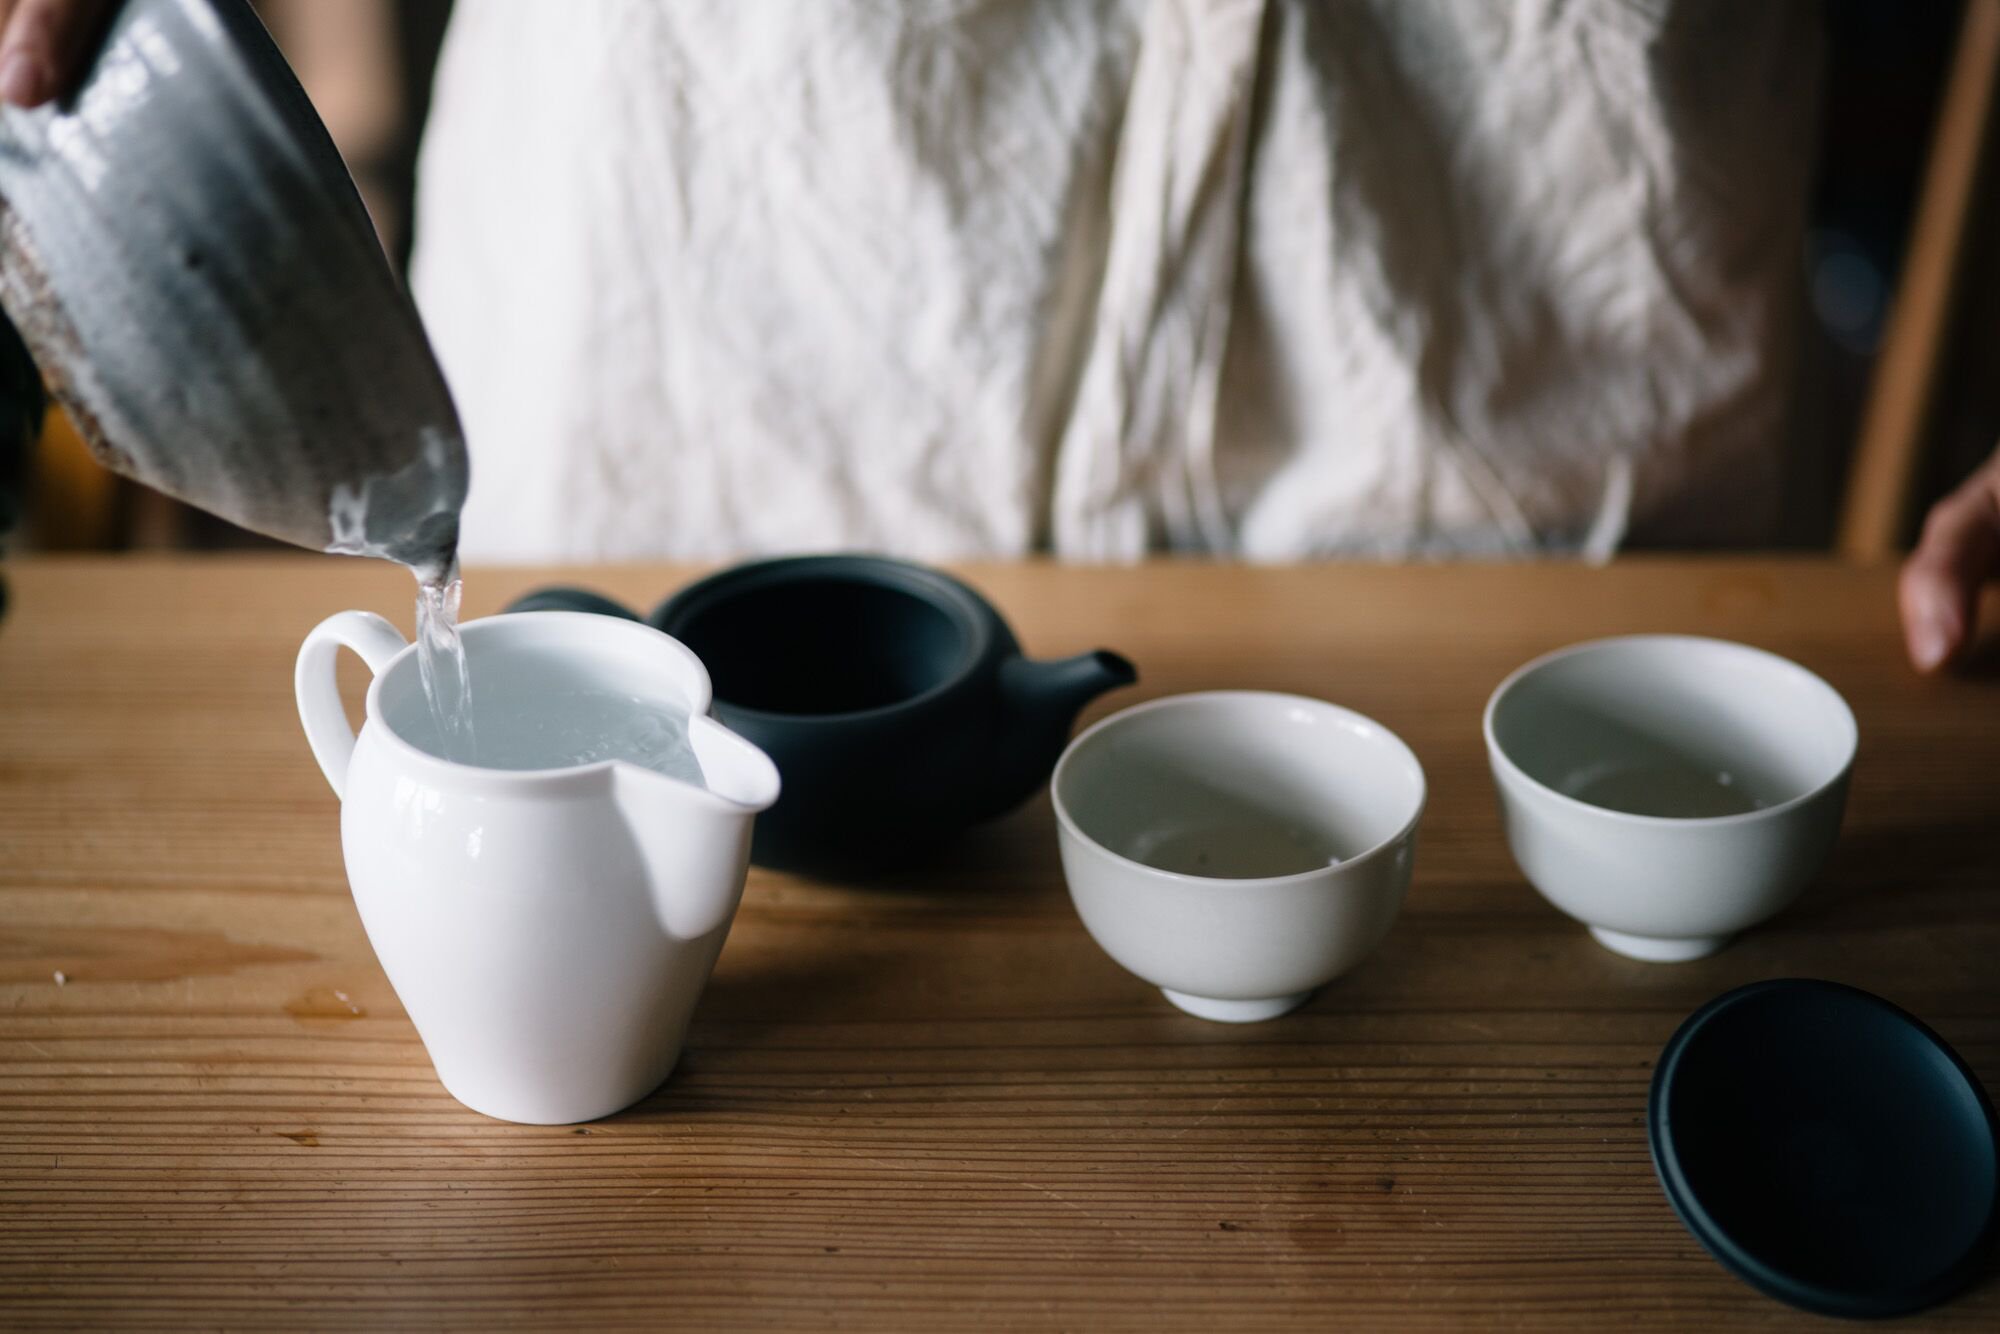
[(1264, 278)]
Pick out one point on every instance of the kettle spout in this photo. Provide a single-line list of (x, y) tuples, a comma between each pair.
[(1039, 702)]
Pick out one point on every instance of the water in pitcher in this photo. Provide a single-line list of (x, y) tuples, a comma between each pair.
[(539, 726), (559, 727)]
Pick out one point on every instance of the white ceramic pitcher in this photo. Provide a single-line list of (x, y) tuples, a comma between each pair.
[(548, 931)]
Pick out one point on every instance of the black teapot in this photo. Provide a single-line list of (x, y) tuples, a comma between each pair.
[(897, 704)]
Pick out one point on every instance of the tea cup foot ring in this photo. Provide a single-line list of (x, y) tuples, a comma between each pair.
[(1659, 949), (1236, 1011)]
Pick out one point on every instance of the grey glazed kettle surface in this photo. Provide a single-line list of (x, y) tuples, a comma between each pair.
[(193, 270)]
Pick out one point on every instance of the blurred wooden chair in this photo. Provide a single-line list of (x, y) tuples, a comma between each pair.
[(80, 506), (1898, 417), (77, 504)]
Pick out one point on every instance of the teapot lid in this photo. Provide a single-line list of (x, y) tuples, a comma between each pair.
[(1827, 1148)]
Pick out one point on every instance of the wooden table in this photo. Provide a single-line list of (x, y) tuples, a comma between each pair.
[(930, 1101)]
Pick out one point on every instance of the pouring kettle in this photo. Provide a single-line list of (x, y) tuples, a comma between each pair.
[(192, 269)]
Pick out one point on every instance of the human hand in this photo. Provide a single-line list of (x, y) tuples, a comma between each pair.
[(1956, 556), (44, 44)]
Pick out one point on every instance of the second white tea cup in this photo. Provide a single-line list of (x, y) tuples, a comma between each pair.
[(1668, 790)]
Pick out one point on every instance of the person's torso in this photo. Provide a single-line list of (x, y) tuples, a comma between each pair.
[(1254, 277)]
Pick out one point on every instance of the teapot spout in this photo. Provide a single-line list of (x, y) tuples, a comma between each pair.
[(1045, 694), (694, 841), (1040, 700)]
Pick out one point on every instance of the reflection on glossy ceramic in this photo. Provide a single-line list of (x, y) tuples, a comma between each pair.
[(1238, 849), (547, 930), (1667, 790)]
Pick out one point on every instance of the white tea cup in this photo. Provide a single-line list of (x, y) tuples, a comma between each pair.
[(548, 930), (1666, 790), (1237, 849)]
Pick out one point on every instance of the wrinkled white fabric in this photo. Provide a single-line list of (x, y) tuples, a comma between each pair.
[(1265, 278)]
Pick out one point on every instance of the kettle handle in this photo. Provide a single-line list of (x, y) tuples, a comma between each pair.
[(375, 642)]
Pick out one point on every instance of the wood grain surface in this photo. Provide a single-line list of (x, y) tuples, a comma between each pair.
[(929, 1101)]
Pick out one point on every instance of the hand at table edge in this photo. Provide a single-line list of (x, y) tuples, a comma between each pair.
[(1958, 553)]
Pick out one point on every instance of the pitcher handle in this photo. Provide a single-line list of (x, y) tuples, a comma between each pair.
[(375, 642)]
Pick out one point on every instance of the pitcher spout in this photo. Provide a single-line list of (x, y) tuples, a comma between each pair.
[(694, 840)]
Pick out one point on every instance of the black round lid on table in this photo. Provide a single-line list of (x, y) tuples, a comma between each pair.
[(1827, 1147)]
